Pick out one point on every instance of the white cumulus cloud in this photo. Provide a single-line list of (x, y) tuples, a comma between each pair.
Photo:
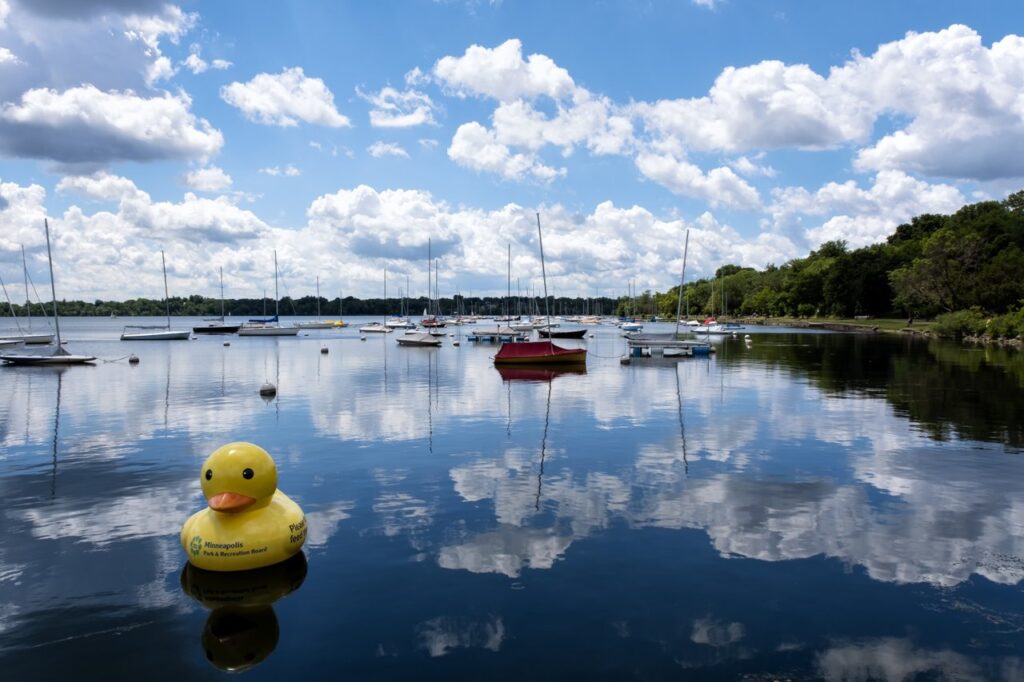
[(394, 108), (719, 186), (85, 125), (284, 99), (210, 179), (476, 147), (502, 73), (379, 149), (857, 215)]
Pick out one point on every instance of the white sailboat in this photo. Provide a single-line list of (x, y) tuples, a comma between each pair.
[(222, 327), (269, 327), (29, 337), (377, 327), (9, 339), (59, 356), (318, 324), (157, 333)]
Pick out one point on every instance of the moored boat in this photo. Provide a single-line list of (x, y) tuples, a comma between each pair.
[(59, 356), (418, 339), (153, 333), (566, 334), (539, 353), (271, 326)]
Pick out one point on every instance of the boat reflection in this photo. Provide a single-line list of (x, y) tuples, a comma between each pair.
[(538, 373), (242, 630)]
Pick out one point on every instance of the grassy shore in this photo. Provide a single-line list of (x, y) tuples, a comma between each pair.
[(837, 324)]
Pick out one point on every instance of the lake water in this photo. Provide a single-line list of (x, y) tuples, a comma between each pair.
[(811, 506)]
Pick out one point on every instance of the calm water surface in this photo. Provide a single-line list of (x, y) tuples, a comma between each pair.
[(811, 506)]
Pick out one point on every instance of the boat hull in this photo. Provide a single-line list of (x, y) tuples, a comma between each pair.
[(29, 339), (314, 325), (575, 334), (375, 329), (217, 329), (268, 331), (172, 335), (47, 359)]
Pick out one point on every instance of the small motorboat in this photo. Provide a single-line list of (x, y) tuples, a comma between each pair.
[(418, 339)]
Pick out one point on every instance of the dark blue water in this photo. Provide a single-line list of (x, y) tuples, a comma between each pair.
[(808, 506)]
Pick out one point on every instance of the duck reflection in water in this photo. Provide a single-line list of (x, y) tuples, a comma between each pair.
[(242, 630)]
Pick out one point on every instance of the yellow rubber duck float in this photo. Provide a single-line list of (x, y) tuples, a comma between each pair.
[(249, 523)]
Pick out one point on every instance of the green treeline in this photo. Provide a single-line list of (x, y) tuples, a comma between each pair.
[(972, 260), (201, 306)]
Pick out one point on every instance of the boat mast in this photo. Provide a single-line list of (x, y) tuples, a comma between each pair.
[(167, 299), (682, 278), (430, 284), (222, 294), (53, 288), (544, 274), (277, 301), (318, 298), (385, 294), (28, 299), (508, 296)]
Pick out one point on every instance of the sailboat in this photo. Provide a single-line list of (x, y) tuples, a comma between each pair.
[(271, 326), (59, 356), (401, 321), (318, 324), (151, 333), (341, 314), (377, 327), (218, 328), (430, 318), (27, 337), (540, 352)]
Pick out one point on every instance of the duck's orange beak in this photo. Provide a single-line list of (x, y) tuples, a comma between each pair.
[(230, 502)]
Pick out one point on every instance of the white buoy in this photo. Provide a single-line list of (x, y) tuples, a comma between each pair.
[(268, 389), (362, 338), (227, 343), (624, 360), (591, 336), (323, 350), (133, 359), (747, 337), (455, 342)]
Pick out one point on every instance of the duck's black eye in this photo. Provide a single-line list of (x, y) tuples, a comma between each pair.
[(247, 473), (209, 474)]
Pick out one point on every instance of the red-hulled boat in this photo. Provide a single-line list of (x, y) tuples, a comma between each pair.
[(539, 353)]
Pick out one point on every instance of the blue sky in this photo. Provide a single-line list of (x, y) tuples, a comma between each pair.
[(220, 131)]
